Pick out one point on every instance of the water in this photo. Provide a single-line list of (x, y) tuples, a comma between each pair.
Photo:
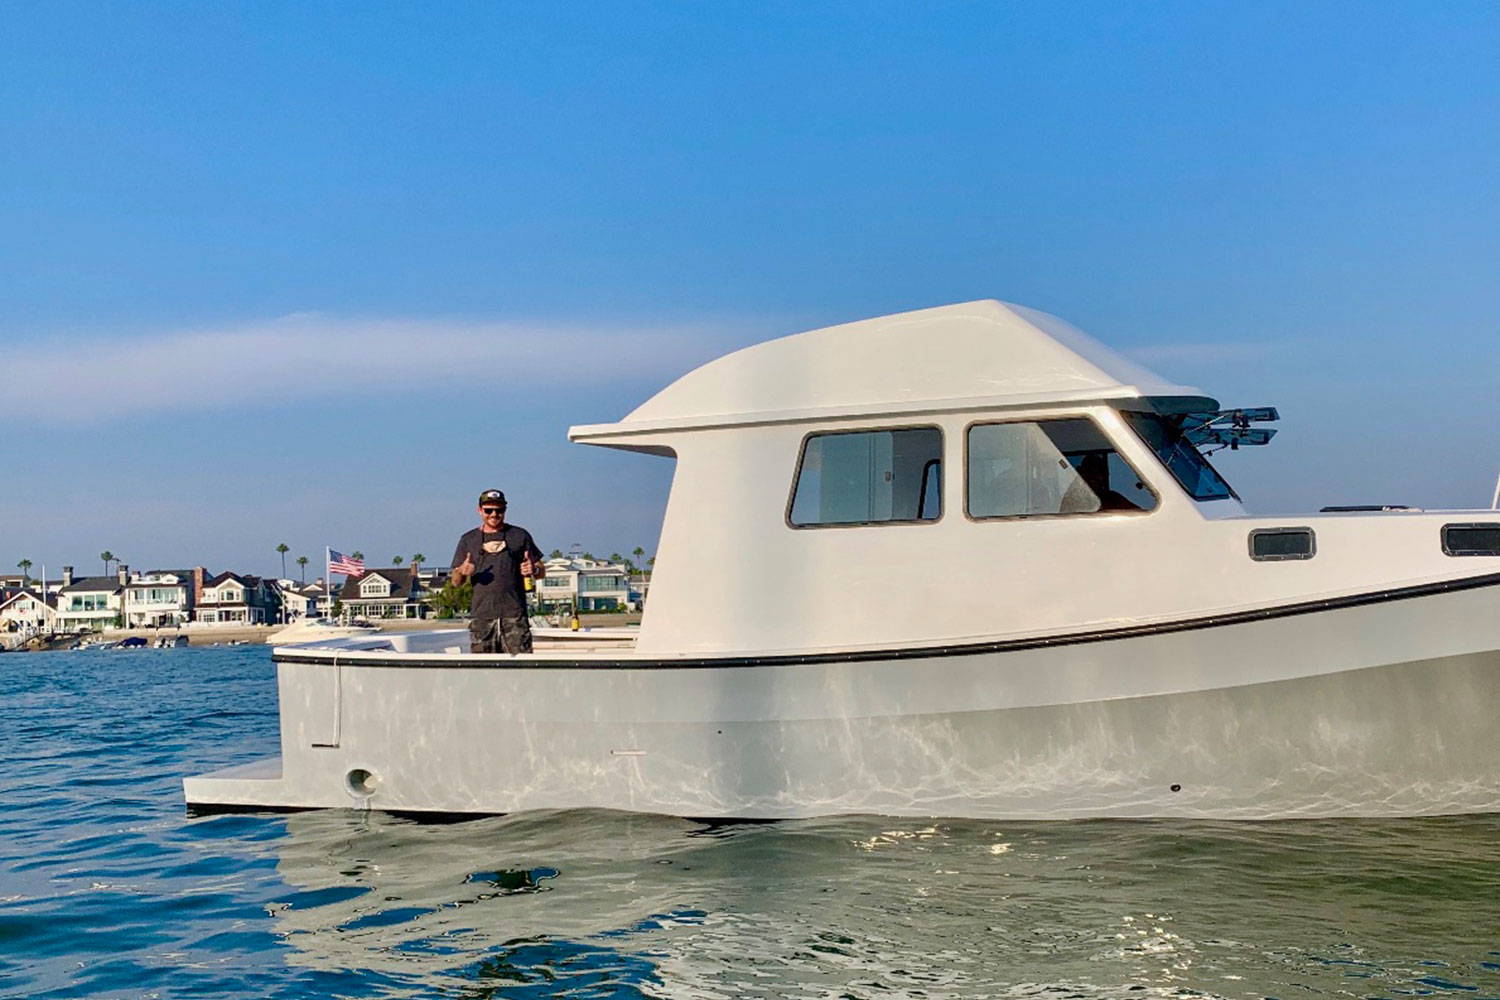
[(108, 890)]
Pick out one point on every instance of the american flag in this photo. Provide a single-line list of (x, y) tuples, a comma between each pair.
[(347, 565)]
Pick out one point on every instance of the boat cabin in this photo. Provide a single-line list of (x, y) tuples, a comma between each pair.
[(966, 472)]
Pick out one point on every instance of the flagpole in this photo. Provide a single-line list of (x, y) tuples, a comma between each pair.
[(328, 579)]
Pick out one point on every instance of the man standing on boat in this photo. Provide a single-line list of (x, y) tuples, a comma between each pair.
[(501, 559)]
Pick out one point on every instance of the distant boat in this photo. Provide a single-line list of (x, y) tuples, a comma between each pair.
[(964, 561), (317, 630)]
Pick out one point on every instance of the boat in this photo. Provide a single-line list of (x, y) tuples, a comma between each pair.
[(318, 630), (962, 562)]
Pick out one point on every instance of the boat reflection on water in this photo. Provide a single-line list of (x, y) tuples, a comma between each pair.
[(480, 899), (586, 903)]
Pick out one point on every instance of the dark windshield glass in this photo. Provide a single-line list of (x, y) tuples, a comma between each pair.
[(1187, 465)]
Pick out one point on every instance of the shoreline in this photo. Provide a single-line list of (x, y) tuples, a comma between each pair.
[(211, 635)]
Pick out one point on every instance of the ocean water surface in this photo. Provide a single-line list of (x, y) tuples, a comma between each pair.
[(107, 888)]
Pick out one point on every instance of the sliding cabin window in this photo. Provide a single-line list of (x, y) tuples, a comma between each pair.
[(1182, 458), (1050, 467), (869, 477)]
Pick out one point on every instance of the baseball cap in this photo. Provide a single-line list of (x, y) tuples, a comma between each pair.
[(492, 497)]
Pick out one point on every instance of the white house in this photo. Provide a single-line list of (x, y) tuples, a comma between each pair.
[(585, 584), (90, 603), (27, 612), (303, 600), (162, 598)]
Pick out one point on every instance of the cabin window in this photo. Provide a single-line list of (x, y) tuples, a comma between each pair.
[(869, 477), (1048, 467), (1181, 457)]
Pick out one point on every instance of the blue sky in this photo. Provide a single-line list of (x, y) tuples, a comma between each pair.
[(317, 273)]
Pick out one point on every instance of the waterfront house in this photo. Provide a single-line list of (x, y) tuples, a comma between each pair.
[(90, 603), (162, 598), (435, 578), (303, 600), (384, 593), (238, 599), (27, 611), (585, 584)]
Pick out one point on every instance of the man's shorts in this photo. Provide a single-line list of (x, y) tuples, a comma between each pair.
[(505, 635)]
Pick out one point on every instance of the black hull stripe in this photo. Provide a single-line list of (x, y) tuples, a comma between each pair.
[(445, 817), (448, 661)]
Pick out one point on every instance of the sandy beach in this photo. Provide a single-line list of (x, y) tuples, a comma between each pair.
[(224, 634)]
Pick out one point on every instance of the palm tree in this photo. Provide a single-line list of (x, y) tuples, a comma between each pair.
[(25, 567), (416, 561), (108, 558), (302, 562), (283, 549), (358, 555), (615, 557), (637, 552), (650, 565), (396, 560), (555, 554)]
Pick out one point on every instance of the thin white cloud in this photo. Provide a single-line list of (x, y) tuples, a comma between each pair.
[(309, 354)]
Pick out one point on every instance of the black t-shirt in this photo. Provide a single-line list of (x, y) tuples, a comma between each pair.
[(498, 590)]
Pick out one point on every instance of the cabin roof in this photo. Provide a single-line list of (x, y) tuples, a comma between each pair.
[(973, 354)]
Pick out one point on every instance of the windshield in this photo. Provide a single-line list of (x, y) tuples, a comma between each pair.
[(1187, 465)]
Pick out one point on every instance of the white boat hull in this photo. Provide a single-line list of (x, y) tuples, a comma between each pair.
[(1372, 707)]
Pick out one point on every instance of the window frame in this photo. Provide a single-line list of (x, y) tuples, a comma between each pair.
[(1233, 494), (1457, 553), (802, 455), (1289, 529), (1034, 419)]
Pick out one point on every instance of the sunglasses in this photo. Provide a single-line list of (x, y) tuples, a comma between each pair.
[(493, 511)]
